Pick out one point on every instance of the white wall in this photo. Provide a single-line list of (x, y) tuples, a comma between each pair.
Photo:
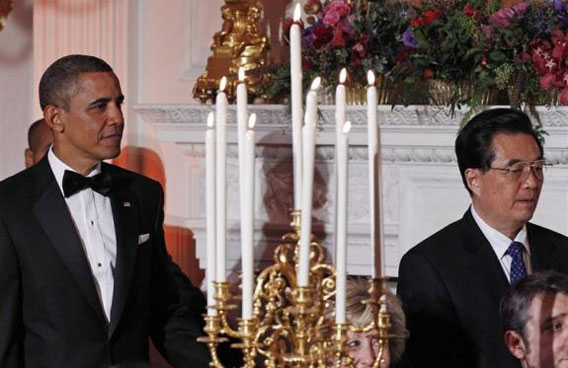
[(16, 87)]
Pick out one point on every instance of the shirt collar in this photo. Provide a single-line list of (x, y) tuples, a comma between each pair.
[(58, 168), (499, 241)]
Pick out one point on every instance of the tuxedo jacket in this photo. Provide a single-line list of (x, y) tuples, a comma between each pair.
[(451, 286), (50, 312)]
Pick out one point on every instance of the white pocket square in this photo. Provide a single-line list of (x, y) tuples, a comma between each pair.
[(143, 238)]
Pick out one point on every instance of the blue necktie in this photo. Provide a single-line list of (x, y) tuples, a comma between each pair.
[(518, 269)]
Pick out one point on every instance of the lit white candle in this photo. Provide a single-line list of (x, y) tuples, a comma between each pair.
[(341, 234), (247, 221), (242, 116), (309, 141), (296, 101), (340, 104), (221, 179), (210, 211), (375, 208), (340, 108)]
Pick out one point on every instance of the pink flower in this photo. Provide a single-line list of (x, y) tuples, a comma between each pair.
[(521, 7), (331, 18), (339, 7), (502, 18)]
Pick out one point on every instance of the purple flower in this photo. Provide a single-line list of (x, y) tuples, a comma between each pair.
[(408, 39), (559, 6)]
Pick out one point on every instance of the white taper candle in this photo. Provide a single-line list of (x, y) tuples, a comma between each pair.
[(247, 224), (341, 235), (210, 212), (296, 101), (221, 179), (309, 141)]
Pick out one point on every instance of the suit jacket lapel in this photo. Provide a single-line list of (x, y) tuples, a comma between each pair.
[(53, 214), (484, 263), (542, 250), (125, 214)]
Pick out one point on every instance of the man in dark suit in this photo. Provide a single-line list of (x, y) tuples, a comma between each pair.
[(451, 283), (85, 276)]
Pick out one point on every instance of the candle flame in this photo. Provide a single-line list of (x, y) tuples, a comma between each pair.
[(241, 74), (210, 120), (346, 127), (343, 76), (371, 77), (252, 121), (223, 84), (297, 12), (315, 83)]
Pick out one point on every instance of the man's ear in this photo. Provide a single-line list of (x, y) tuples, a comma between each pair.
[(52, 116), (29, 155), (515, 343), (472, 178)]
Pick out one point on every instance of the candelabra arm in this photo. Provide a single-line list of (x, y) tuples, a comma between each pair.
[(213, 329)]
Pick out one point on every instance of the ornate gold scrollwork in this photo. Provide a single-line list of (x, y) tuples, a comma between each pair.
[(5, 8), (239, 43)]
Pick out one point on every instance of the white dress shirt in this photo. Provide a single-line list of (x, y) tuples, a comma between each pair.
[(92, 215), (500, 243)]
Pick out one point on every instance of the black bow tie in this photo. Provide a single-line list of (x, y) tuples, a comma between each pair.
[(74, 183)]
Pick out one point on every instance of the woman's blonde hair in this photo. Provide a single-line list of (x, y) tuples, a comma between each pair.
[(360, 314)]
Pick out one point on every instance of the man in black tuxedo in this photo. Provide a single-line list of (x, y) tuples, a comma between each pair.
[(85, 276), (451, 283)]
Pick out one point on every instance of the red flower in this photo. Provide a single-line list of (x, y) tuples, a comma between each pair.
[(428, 73), (306, 64), (338, 40), (415, 22), (470, 11), (430, 16), (546, 81), (323, 35), (563, 98)]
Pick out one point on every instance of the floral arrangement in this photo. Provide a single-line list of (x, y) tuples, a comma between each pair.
[(479, 51)]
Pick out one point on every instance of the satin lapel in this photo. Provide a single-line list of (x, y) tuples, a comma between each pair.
[(483, 263), (53, 214), (125, 214), (542, 251)]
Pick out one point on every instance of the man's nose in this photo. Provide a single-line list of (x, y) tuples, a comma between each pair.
[(115, 114), (532, 181)]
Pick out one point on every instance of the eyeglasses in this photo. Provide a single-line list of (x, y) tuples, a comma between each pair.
[(519, 171)]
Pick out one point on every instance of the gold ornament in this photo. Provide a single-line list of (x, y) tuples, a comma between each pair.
[(5, 8), (238, 44), (288, 328)]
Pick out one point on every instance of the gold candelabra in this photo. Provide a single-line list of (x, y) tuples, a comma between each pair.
[(288, 327), (240, 43), (5, 8)]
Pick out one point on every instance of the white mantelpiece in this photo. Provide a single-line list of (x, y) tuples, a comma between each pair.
[(422, 187)]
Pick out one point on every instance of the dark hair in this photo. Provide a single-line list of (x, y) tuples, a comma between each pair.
[(58, 82), (34, 132), (516, 303), (474, 141)]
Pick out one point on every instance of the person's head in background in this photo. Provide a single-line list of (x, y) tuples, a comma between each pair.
[(39, 141), (363, 347), (535, 320)]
